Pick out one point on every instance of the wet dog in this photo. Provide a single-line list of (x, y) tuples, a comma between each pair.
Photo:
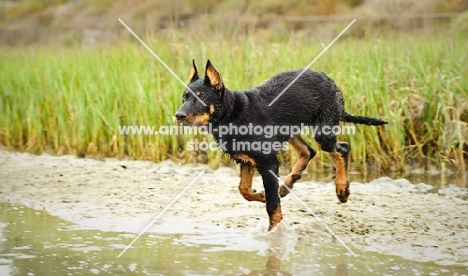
[(287, 101)]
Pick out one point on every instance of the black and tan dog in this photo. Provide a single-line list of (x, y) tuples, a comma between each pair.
[(312, 100)]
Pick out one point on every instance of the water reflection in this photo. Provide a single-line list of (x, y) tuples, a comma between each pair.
[(281, 247), (33, 242), (272, 266)]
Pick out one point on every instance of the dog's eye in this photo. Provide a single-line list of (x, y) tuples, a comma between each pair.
[(184, 97), (201, 96)]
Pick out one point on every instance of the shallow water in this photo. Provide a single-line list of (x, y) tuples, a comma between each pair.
[(32, 242)]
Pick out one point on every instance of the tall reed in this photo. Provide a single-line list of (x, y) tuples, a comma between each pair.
[(72, 100)]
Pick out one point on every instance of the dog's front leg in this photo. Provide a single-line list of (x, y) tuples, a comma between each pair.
[(245, 185), (268, 168)]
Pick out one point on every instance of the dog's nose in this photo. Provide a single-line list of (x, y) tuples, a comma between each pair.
[(180, 115)]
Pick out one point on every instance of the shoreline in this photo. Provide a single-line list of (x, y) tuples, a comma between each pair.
[(392, 217)]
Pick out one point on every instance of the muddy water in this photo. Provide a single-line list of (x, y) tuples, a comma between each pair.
[(33, 242)]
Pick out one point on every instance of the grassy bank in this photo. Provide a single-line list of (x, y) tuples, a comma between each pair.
[(72, 100)]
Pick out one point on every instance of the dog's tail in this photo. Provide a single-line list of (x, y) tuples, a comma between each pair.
[(362, 120)]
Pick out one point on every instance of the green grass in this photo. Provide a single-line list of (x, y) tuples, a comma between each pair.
[(71, 100)]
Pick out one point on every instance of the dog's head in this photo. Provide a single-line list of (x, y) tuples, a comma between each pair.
[(202, 101)]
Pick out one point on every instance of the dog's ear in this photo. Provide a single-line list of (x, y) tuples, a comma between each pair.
[(212, 76), (193, 72)]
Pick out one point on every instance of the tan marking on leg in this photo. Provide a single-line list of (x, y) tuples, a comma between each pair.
[(303, 154), (245, 186), (275, 218), (244, 158), (303, 157), (341, 179)]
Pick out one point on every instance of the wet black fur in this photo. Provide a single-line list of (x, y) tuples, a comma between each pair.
[(314, 99)]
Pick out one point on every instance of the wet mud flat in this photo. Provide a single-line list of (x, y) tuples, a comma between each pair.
[(394, 217)]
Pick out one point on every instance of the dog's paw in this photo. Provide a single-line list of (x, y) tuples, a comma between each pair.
[(283, 191), (343, 194), (261, 196), (258, 196)]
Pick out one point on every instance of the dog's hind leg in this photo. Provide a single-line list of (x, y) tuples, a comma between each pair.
[(268, 168), (304, 154), (341, 180), (328, 143), (245, 186)]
